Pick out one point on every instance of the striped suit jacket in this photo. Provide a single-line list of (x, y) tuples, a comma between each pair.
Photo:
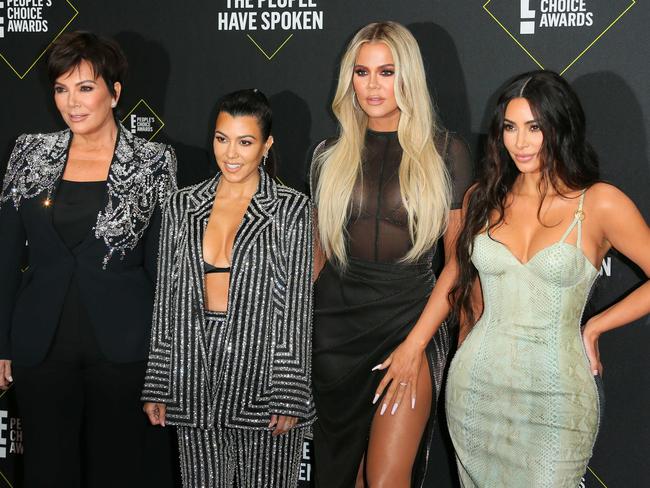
[(266, 356)]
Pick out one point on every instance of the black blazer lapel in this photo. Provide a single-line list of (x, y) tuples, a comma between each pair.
[(121, 144), (134, 191), (58, 159)]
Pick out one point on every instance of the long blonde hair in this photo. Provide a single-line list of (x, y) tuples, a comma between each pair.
[(423, 177)]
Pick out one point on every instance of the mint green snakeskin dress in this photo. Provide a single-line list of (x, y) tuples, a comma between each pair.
[(522, 403)]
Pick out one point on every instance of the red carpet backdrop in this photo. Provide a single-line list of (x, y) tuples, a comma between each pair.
[(184, 55)]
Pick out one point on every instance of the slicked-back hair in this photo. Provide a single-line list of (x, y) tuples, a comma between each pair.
[(104, 56), (251, 102)]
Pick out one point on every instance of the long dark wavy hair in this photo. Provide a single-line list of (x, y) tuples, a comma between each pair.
[(567, 162)]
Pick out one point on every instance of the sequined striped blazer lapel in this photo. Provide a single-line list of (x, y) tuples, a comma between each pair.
[(265, 358)]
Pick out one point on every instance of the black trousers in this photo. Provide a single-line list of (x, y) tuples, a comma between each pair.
[(82, 417)]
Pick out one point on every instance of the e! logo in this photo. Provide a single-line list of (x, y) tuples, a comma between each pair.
[(2, 21), (3, 433), (527, 26), (143, 121)]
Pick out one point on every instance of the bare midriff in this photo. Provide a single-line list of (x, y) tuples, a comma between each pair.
[(216, 291), (218, 243)]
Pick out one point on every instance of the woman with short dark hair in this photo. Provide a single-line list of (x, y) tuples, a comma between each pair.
[(75, 325), (104, 56)]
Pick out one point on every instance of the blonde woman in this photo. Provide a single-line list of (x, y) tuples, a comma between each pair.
[(383, 194)]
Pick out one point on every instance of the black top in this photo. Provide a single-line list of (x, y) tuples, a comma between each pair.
[(210, 268), (76, 206), (113, 227), (378, 224)]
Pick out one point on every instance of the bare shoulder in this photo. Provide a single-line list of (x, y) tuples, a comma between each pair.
[(616, 215), (605, 198)]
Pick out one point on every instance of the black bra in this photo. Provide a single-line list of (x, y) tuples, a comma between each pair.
[(209, 268)]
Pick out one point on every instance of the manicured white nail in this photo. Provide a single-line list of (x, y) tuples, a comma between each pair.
[(595, 371), (394, 409), (413, 403), (383, 409), (376, 367), (374, 400), (11, 379)]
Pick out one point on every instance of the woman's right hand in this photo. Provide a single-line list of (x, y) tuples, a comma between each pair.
[(5, 374), (156, 412)]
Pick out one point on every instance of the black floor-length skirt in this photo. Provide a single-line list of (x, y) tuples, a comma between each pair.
[(361, 315)]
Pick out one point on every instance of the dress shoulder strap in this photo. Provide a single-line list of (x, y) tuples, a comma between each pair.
[(577, 220)]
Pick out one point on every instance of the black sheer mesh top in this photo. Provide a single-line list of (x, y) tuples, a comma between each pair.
[(377, 227)]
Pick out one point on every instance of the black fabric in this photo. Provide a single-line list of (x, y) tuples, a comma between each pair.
[(82, 417), (75, 209), (82, 414), (361, 316), (210, 268), (119, 298), (378, 224), (363, 313)]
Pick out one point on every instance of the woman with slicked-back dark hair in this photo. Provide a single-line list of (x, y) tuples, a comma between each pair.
[(524, 391), (230, 358), (74, 326)]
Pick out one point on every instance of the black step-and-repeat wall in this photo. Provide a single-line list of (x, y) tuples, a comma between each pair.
[(184, 54)]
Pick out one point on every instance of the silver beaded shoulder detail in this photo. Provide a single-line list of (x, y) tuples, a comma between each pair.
[(35, 166), (141, 177)]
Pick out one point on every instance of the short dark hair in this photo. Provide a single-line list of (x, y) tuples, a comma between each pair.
[(251, 102), (104, 55)]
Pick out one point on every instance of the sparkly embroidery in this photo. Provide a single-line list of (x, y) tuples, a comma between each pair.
[(239, 457), (263, 362), (34, 166), (142, 175)]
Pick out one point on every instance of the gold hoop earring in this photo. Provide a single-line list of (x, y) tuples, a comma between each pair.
[(355, 102)]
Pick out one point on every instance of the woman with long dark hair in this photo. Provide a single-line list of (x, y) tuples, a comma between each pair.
[(523, 389), (230, 355)]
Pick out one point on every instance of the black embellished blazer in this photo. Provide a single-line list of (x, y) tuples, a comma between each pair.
[(115, 264), (266, 358)]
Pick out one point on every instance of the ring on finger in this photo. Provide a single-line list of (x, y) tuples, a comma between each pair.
[(402, 383)]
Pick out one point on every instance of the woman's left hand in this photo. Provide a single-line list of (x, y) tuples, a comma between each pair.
[(590, 338), (281, 424), (402, 375)]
